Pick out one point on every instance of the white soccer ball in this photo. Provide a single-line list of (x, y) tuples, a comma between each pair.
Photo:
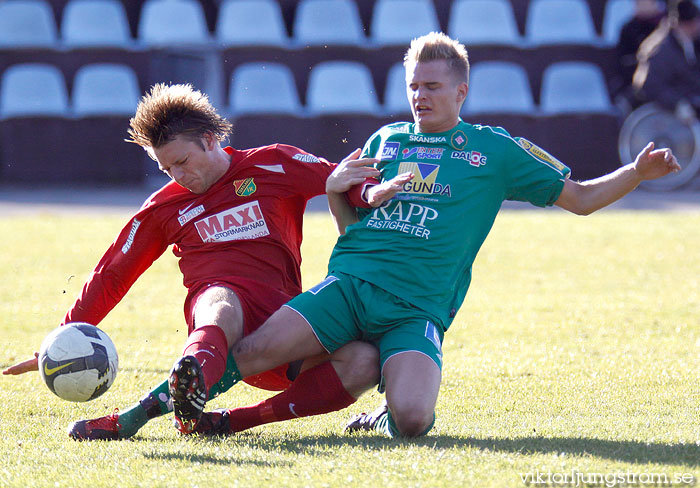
[(78, 362)]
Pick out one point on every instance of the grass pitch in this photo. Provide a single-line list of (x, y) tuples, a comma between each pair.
[(574, 359)]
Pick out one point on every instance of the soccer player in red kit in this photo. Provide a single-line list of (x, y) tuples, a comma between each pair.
[(234, 219)]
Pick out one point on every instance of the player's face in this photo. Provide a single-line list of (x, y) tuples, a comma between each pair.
[(435, 95), (190, 163)]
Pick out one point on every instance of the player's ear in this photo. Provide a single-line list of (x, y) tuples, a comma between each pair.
[(209, 141), (462, 91)]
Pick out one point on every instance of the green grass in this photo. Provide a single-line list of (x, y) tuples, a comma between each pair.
[(576, 351)]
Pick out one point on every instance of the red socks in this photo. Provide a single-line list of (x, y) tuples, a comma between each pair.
[(209, 345), (315, 391)]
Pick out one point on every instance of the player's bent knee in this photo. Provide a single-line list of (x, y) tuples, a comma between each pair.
[(357, 364), (412, 422)]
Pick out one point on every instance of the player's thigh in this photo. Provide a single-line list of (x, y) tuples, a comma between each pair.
[(332, 309), (220, 306), (412, 382), (285, 337), (411, 362)]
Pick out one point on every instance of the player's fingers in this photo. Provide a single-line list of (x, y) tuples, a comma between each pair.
[(23, 367), (362, 162), (353, 155)]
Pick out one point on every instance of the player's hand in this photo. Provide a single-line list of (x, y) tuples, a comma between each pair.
[(350, 172), (24, 366), (378, 194), (654, 163)]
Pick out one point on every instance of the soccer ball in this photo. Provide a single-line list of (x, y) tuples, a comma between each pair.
[(78, 362)]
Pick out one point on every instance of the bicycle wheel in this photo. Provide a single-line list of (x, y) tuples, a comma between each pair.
[(651, 123)]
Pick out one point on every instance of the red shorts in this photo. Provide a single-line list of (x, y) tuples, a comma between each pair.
[(258, 303)]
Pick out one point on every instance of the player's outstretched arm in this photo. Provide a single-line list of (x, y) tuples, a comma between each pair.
[(350, 172), (378, 194), (24, 366), (588, 196)]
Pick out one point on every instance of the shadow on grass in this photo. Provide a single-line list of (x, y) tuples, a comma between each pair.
[(222, 460), (624, 451)]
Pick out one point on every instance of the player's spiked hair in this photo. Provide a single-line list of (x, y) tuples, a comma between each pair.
[(168, 111), (435, 46)]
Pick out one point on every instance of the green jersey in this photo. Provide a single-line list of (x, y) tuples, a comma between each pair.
[(420, 245)]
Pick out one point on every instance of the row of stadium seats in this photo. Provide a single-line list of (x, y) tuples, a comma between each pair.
[(85, 23), (334, 87)]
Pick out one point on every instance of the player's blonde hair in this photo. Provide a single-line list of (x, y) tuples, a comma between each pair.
[(168, 111), (436, 46)]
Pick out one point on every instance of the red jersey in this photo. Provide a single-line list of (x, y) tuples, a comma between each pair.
[(246, 230)]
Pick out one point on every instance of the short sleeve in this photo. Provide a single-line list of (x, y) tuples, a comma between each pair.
[(533, 175)]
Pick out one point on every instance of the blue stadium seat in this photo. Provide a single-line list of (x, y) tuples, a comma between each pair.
[(396, 22), (559, 22), (617, 12), (483, 22), (574, 86), (263, 88), (172, 22), (395, 98), (33, 89), (105, 89), (321, 22), (26, 23), (251, 22), (498, 87), (341, 87), (92, 23)]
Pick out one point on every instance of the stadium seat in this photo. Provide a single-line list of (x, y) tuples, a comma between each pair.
[(33, 89), (396, 22), (617, 12), (172, 22), (89, 23), (559, 22), (105, 89), (341, 87), (483, 22), (395, 99), (263, 88), (250, 22), (498, 87), (26, 23), (574, 86), (319, 22)]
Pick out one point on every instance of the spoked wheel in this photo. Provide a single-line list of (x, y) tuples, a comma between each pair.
[(651, 123)]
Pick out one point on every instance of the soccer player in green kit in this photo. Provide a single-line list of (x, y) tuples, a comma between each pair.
[(400, 271)]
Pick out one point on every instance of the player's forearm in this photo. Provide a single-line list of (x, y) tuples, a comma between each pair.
[(588, 196), (341, 211)]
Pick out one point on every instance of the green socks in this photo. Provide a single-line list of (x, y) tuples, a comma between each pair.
[(386, 425), (158, 403)]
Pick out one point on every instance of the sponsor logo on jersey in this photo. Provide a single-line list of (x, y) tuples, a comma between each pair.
[(130, 239), (389, 151), (306, 158), (458, 140), (424, 179), (427, 139), (405, 217), (475, 158), (422, 152), (541, 154), (238, 223), (187, 215), (245, 188)]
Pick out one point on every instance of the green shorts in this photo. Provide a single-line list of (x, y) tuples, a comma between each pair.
[(343, 308)]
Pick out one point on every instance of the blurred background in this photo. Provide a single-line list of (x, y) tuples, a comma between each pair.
[(318, 74)]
